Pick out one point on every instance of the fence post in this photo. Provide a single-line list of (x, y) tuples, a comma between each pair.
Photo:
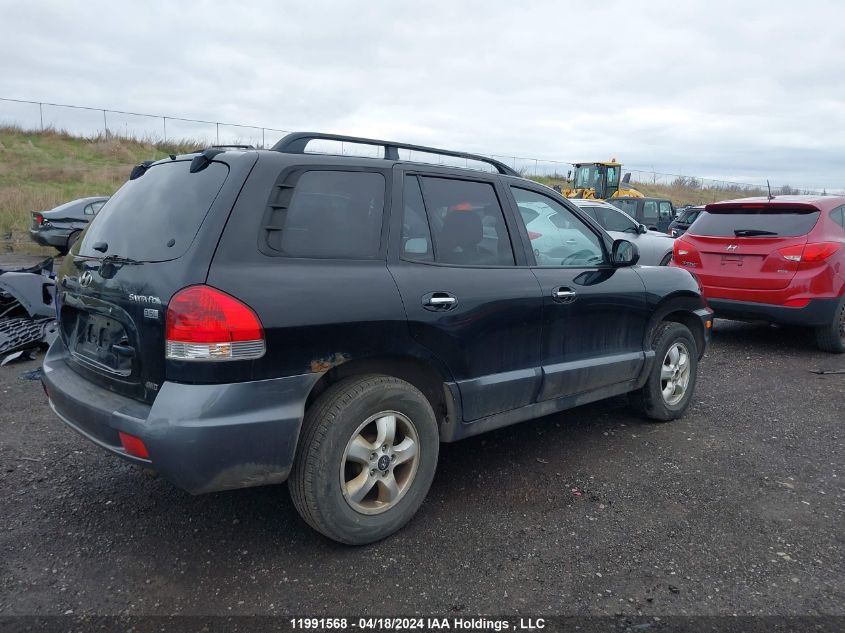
[(164, 121), (41, 114), (262, 138), (105, 124), (218, 133)]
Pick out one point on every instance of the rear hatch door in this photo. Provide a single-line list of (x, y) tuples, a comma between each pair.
[(156, 235), (741, 244)]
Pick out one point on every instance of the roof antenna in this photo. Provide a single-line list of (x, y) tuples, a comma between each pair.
[(771, 197)]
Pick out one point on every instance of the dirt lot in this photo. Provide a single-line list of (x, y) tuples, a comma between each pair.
[(738, 508)]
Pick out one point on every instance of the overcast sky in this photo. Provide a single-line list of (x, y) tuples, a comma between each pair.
[(733, 90)]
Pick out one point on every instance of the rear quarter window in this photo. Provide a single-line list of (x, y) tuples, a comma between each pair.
[(332, 214), (774, 221)]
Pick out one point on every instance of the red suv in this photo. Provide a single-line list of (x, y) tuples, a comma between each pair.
[(780, 260)]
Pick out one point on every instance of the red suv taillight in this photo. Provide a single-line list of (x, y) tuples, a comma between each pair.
[(39, 219), (685, 254), (810, 253), (204, 323)]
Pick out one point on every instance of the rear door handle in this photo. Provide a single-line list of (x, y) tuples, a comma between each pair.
[(562, 294), (439, 301)]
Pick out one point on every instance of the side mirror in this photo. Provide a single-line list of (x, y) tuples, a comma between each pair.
[(624, 253), (416, 246), (641, 229)]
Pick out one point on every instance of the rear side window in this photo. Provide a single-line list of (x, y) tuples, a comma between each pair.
[(157, 216), (838, 216), (332, 214), (466, 223), (762, 222), (666, 210), (416, 234), (649, 212), (628, 206)]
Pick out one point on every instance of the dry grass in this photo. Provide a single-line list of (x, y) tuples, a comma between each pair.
[(40, 170)]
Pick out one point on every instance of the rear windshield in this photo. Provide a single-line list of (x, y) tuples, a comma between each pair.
[(767, 222), (156, 217)]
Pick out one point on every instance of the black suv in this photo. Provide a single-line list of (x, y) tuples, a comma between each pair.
[(684, 220), (655, 213), (239, 317)]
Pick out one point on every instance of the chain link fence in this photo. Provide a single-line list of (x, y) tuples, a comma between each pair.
[(160, 129)]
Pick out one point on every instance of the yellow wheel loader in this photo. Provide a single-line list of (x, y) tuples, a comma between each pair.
[(600, 180)]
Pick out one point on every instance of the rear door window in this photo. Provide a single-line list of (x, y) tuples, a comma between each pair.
[(332, 214), (764, 222), (466, 223), (157, 216), (666, 210), (416, 234)]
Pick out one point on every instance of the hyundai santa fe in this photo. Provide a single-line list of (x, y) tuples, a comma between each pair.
[(239, 317), (780, 260)]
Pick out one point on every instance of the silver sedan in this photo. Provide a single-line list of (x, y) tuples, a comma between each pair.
[(655, 247)]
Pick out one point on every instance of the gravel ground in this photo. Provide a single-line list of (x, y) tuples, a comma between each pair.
[(737, 508)]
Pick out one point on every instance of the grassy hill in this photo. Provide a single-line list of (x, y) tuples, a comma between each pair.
[(39, 170)]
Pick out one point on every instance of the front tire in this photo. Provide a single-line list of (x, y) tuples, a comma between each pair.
[(71, 240), (668, 391), (831, 337), (365, 459)]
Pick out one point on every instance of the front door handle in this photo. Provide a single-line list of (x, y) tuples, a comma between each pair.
[(439, 301), (562, 294)]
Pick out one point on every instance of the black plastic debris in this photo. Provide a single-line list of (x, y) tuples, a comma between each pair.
[(27, 312)]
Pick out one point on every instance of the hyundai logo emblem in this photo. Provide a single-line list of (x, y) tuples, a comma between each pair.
[(731, 247), (86, 278)]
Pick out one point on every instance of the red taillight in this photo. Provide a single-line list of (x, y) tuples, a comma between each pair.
[(133, 445), (811, 253), (685, 254), (819, 251), (204, 323), (533, 235), (39, 219)]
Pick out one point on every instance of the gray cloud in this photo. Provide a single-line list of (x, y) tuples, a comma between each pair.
[(736, 91)]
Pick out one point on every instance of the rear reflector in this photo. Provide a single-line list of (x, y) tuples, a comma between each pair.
[(533, 235), (796, 303), (133, 445), (204, 323)]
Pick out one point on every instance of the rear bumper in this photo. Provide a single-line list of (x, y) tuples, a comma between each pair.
[(202, 438), (817, 312), (51, 237)]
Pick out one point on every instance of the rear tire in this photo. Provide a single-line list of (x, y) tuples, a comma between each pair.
[(666, 259), (71, 240), (668, 391), (365, 459), (831, 338)]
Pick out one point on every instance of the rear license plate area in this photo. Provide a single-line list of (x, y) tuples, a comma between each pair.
[(732, 260), (97, 340)]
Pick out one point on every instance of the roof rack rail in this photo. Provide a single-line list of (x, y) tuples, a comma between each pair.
[(233, 146), (295, 143)]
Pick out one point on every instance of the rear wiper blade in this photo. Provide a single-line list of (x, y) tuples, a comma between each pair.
[(119, 259), (752, 232)]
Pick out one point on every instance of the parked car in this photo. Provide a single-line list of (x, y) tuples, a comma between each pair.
[(60, 227), (779, 260), (683, 220), (243, 317), (655, 213), (655, 247)]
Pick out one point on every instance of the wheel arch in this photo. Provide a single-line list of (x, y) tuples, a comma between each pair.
[(679, 308), (421, 373)]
